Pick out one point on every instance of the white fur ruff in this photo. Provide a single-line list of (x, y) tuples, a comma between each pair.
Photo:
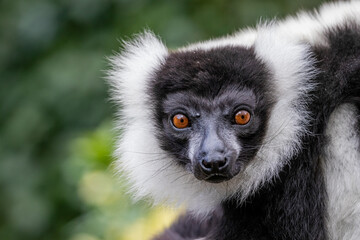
[(283, 47), (341, 164)]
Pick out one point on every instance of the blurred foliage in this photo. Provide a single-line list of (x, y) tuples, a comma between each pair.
[(108, 211), (55, 130)]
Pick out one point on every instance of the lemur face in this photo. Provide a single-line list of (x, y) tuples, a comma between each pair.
[(211, 110)]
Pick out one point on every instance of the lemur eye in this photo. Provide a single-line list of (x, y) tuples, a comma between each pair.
[(242, 117), (180, 121)]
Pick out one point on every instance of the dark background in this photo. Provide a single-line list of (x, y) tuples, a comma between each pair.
[(55, 118)]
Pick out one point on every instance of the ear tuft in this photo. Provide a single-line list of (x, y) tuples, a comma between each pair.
[(134, 67)]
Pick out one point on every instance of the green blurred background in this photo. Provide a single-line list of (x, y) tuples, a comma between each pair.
[(56, 179)]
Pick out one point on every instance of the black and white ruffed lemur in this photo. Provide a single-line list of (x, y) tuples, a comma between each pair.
[(257, 133)]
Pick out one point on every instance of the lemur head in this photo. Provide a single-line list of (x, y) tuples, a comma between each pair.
[(210, 110), (210, 121)]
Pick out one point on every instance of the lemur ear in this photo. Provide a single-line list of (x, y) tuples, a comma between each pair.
[(133, 68)]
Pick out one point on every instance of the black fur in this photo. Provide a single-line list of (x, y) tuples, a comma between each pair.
[(193, 227), (293, 207), (203, 75)]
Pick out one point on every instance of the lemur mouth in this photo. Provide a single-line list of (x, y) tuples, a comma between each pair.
[(217, 178)]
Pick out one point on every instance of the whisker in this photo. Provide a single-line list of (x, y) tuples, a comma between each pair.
[(181, 176), (151, 161), (146, 153)]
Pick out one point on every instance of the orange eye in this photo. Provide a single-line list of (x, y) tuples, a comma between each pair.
[(242, 117), (180, 121)]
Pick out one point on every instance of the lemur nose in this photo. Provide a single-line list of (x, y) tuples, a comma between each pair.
[(214, 164)]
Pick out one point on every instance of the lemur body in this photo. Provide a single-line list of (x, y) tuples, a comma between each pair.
[(291, 170)]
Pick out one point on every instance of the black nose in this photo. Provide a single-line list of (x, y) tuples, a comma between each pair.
[(214, 164)]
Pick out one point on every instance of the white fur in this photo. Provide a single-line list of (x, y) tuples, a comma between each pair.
[(244, 38), (292, 69), (341, 164), (282, 47), (310, 27), (132, 70)]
